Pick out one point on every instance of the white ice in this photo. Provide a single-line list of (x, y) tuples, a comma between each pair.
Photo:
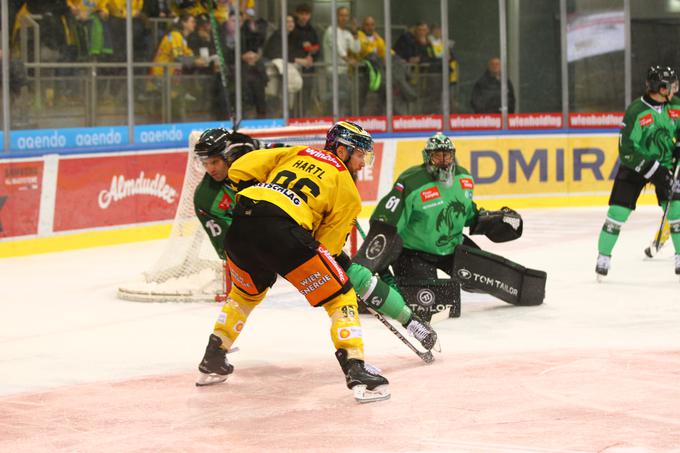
[(595, 368)]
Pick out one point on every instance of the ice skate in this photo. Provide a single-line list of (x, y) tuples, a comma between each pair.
[(677, 264), (214, 368), (368, 386), (602, 266), (422, 331)]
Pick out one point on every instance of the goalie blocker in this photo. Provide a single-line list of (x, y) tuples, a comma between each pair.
[(500, 277), (381, 247)]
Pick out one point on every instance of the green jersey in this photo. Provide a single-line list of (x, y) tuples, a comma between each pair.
[(429, 216), (648, 134), (213, 204)]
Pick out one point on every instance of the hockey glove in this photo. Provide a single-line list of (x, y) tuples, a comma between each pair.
[(499, 226), (662, 179)]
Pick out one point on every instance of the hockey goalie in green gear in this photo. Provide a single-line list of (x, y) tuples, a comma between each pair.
[(417, 228)]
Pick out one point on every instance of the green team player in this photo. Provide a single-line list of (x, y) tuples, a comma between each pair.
[(214, 198), (646, 152), (418, 227)]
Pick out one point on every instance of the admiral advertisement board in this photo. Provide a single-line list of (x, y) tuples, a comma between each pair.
[(99, 191), (20, 186), (529, 165)]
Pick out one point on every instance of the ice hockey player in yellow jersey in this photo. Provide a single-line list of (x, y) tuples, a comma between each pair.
[(295, 207)]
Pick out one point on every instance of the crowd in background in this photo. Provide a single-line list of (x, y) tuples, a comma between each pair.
[(178, 36)]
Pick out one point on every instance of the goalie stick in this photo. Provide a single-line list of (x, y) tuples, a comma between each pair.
[(426, 356), (656, 245)]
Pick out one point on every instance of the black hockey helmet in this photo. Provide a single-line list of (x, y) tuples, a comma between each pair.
[(220, 142), (659, 77), (352, 136)]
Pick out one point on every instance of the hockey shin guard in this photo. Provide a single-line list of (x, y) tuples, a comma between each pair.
[(377, 294), (233, 316), (345, 326), (616, 217), (674, 221)]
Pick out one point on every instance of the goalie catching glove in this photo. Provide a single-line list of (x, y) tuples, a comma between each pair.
[(499, 226)]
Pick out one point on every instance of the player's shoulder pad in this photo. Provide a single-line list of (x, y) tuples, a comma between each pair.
[(413, 178), (462, 171)]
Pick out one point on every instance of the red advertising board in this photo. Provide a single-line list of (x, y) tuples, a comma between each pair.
[(595, 119), (369, 178), (20, 185), (98, 191), (534, 120)]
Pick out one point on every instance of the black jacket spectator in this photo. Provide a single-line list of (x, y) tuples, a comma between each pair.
[(486, 95), (306, 38), (412, 51)]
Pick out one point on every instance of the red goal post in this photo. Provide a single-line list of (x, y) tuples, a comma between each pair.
[(188, 269)]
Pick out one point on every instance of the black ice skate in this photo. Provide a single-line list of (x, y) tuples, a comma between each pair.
[(422, 331), (602, 266), (677, 264), (214, 367), (365, 382)]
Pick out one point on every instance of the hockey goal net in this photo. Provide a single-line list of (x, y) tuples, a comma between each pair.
[(189, 269)]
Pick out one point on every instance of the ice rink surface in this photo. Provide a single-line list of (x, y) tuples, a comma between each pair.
[(596, 368)]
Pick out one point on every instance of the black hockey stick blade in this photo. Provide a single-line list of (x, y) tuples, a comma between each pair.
[(426, 356)]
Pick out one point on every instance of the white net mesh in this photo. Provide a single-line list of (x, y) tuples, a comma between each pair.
[(189, 268)]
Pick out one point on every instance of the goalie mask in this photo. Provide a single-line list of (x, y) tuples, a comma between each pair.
[(439, 156), (353, 137), (220, 142)]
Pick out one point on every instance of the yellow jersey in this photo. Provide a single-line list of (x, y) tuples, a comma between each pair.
[(172, 46), (312, 186), (118, 8), (371, 44)]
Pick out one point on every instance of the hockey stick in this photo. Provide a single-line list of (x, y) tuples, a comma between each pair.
[(218, 48), (657, 240), (426, 356)]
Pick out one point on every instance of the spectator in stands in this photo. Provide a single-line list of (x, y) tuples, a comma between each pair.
[(435, 39), (347, 48), (273, 48), (253, 36), (486, 93), (413, 46), (201, 42), (372, 44), (297, 59), (305, 37), (93, 26), (117, 21), (371, 68), (174, 48)]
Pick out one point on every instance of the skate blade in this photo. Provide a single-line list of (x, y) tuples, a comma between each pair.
[(363, 395), (600, 278), (649, 252), (205, 380)]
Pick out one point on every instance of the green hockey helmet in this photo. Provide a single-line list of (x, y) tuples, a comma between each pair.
[(442, 169)]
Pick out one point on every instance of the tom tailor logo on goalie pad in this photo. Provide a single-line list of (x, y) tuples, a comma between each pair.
[(488, 281)]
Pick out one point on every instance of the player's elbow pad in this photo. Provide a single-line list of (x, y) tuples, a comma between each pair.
[(499, 226)]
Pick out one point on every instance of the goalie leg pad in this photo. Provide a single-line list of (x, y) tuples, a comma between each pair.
[(381, 247), (426, 297), (500, 277)]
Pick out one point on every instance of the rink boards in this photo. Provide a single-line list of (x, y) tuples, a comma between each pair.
[(59, 202)]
